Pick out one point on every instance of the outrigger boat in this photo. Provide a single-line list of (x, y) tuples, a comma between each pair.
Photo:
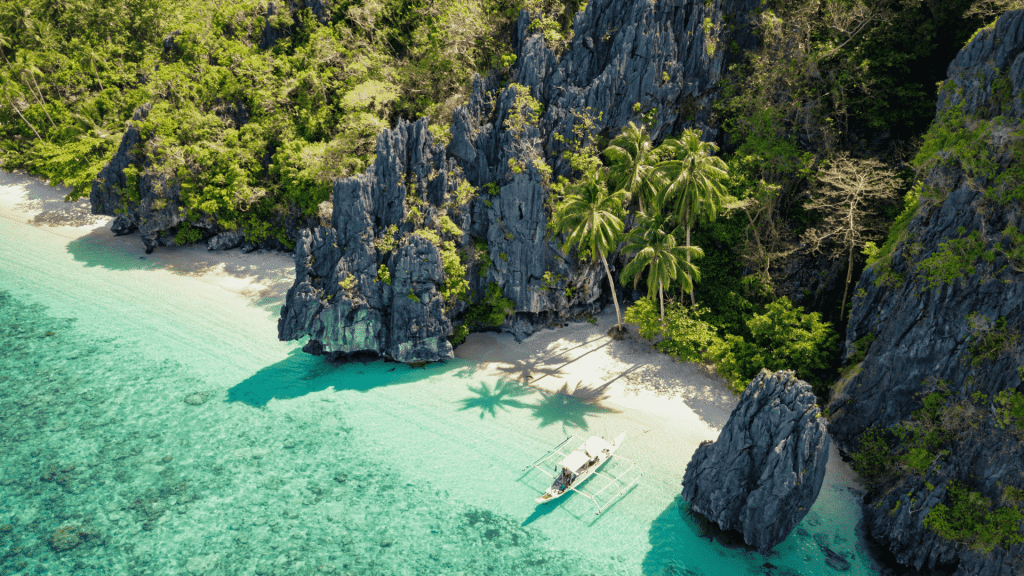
[(577, 466)]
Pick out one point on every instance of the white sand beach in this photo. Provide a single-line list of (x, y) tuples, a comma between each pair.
[(579, 360), (257, 276)]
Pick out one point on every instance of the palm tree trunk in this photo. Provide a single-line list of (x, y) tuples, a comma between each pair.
[(39, 96), (9, 102), (615, 297), (693, 300), (846, 289), (661, 297)]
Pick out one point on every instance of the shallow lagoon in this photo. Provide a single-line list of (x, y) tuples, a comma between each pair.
[(158, 417)]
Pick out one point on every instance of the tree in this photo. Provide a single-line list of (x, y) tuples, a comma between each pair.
[(9, 90), (656, 250), (693, 179), (631, 157), (589, 215), (849, 190), (783, 338), (27, 66)]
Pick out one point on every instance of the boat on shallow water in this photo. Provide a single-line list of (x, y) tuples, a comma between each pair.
[(574, 468)]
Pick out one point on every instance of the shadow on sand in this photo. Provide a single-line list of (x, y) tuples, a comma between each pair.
[(502, 396), (49, 202), (274, 273), (571, 406)]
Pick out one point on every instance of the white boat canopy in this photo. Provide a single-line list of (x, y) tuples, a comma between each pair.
[(574, 461)]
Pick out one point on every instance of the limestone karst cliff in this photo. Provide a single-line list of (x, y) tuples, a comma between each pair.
[(625, 59), (931, 404)]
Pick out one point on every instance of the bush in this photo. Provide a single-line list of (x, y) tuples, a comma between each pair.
[(490, 312), (970, 518), (784, 337), (686, 334)]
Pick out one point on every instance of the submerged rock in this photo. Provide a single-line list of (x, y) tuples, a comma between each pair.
[(765, 470)]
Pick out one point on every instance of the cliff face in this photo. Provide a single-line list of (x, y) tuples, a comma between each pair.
[(930, 407), (623, 53)]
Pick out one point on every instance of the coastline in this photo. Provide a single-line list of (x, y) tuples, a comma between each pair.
[(651, 390), (259, 276)]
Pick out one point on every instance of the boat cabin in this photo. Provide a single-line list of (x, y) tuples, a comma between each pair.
[(578, 461)]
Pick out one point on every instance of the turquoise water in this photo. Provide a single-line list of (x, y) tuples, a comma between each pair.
[(150, 423)]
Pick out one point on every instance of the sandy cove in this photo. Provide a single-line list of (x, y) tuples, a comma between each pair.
[(577, 359)]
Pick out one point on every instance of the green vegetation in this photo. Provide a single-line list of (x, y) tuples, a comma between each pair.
[(491, 310), (955, 260), (384, 275), (783, 337), (253, 135), (348, 283), (989, 339), (686, 332), (971, 519), (589, 214), (1009, 409), (455, 285), (882, 257)]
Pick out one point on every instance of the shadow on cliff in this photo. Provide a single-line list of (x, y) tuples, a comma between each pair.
[(300, 374)]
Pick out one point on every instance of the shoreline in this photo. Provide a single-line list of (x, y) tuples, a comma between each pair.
[(259, 276), (577, 360)]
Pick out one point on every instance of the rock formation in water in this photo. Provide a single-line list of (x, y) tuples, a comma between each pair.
[(765, 470), (626, 59), (936, 328)]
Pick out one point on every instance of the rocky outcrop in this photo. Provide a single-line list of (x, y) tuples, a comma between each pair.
[(765, 470), (340, 298), (938, 324), (138, 194), (625, 59)]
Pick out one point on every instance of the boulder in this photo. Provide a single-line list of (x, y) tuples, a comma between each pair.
[(765, 470)]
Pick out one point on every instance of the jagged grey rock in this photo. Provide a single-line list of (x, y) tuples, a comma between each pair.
[(924, 330), (623, 53), (765, 470), (338, 299), (226, 240)]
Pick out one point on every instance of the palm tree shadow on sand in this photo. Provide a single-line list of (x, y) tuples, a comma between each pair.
[(571, 406), (502, 397)]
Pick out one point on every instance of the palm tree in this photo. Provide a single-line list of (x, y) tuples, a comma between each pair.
[(26, 64), (657, 251), (631, 154), (692, 178), (588, 214), (9, 89), (89, 60)]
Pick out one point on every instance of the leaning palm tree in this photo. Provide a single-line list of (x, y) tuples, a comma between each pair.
[(691, 179), (10, 90), (631, 159), (657, 251), (588, 215)]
